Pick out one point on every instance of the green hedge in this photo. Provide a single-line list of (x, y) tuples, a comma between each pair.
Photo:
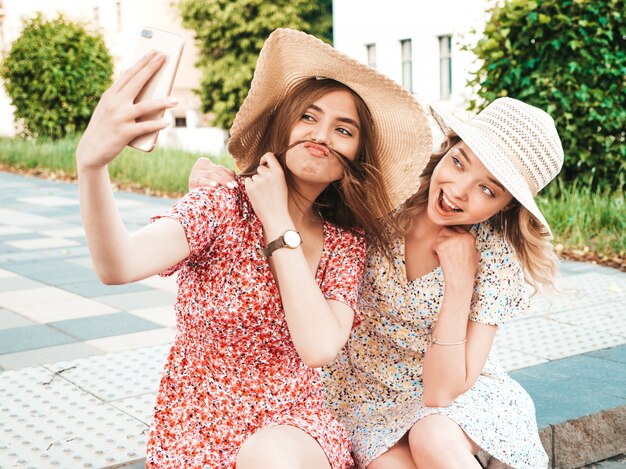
[(230, 34), (567, 57), (55, 74)]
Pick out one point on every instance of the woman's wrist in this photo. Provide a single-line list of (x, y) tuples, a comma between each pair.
[(462, 285), (276, 227)]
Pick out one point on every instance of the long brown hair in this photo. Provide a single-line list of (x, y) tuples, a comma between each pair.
[(518, 226), (359, 197)]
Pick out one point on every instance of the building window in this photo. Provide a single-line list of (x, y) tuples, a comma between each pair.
[(371, 55), (180, 122), (118, 15), (407, 65), (445, 66)]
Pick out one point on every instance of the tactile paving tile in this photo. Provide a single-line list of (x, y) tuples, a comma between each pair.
[(140, 407), (588, 290), (540, 305), (606, 317), (582, 290), (513, 359), (551, 339), (47, 422), (119, 375)]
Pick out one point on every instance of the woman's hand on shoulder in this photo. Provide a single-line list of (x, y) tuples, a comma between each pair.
[(206, 173), (113, 123), (458, 256), (267, 191)]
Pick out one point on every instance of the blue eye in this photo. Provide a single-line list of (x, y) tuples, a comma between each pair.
[(485, 190), (456, 162)]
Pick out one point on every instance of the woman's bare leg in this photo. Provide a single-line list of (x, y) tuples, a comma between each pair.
[(281, 447), (396, 457), (438, 442)]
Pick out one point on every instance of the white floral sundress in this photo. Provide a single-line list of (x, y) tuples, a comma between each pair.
[(374, 387)]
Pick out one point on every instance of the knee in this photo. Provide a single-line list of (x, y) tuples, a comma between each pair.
[(258, 452), (428, 440)]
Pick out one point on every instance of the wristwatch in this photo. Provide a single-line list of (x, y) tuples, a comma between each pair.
[(290, 239)]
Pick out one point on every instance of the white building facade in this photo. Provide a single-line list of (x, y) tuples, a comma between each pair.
[(416, 43), (120, 22)]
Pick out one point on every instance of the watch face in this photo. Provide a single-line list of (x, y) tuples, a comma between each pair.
[(292, 238)]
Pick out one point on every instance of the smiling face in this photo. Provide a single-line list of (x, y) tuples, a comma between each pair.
[(330, 121), (462, 191)]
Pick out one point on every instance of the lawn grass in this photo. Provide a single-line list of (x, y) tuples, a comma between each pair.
[(163, 171), (586, 219), (582, 219)]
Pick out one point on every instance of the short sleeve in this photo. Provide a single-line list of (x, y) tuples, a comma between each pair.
[(500, 292), (203, 213), (342, 276)]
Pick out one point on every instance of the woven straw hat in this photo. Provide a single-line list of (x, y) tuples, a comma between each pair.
[(518, 143), (288, 57)]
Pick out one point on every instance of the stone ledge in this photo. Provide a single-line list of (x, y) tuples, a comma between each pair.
[(585, 440)]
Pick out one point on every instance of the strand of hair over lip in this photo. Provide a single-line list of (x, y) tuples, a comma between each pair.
[(331, 150)]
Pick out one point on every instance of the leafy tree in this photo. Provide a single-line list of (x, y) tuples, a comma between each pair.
[(567, 57), (54, 74), (230, 34)]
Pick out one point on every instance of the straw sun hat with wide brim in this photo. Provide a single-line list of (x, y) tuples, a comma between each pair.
[(518, 144), (288, 57)]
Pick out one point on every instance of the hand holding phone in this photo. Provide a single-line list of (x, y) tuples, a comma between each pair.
[(114, 120), (160, 84)]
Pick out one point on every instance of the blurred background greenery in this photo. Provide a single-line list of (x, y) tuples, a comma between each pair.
[(567, 57)]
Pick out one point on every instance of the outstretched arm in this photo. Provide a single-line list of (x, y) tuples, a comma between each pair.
[(118, 256), (454, 361)]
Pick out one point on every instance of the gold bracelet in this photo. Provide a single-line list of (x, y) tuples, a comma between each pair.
[(434, 341)]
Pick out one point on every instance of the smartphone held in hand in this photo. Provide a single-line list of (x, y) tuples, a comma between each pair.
[(159, 85)]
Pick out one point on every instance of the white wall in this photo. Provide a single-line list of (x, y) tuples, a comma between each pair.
[(361, 22)]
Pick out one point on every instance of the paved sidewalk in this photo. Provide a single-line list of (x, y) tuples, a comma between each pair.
[(80, 362)]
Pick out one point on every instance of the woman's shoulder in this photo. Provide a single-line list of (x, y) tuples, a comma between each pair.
[(346, 237), (489, 238), (496, 252), (220, 195), (354, 233), (500, 288)]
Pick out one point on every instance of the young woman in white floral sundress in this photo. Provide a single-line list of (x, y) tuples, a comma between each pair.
[(416, 385)]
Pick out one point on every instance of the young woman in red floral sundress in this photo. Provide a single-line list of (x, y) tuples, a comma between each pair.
[(268, 269)]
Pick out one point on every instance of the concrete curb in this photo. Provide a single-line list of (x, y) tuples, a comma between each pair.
[(585, 440)]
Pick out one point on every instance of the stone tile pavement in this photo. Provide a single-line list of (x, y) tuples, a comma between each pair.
[(80, 362)]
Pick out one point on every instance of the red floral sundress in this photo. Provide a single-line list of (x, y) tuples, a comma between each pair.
[(233, 368)]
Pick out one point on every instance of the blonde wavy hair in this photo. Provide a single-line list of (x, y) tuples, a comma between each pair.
[(519, 227)]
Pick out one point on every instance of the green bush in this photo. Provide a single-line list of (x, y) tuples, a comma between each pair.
[(567, 57), (54, 74), (230, 34)]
